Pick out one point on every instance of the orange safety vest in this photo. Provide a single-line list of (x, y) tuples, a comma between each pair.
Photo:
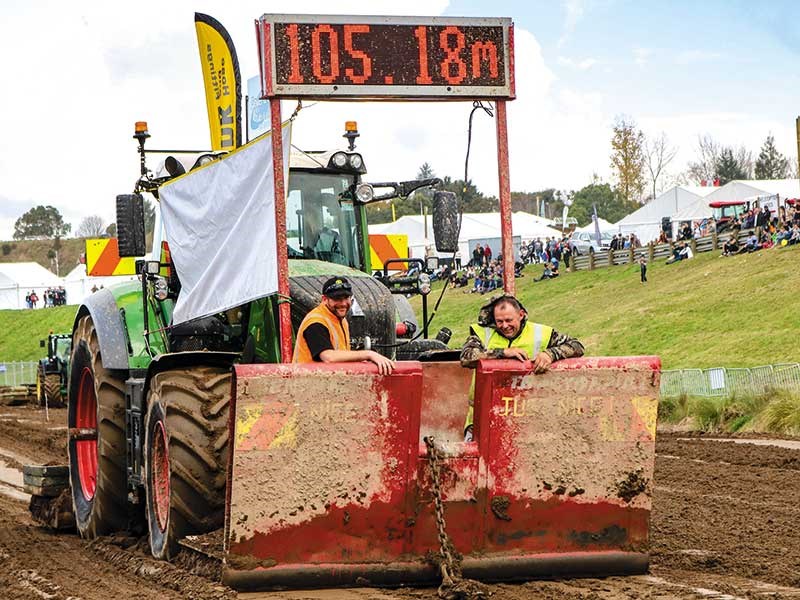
[(338, 330)]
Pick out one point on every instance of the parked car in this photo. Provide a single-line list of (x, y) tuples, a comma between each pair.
[(585, 242)]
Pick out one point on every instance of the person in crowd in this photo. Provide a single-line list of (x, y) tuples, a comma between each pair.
[(503, 330), (642, 268), (751, 243), (457, 260), (681, 252), (731, 247), (662, 237), (487, 255), (324, 334)]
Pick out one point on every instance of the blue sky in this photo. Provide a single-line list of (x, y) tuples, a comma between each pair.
[(726, 69)]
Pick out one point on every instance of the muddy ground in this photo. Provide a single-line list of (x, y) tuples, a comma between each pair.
[(726, 524)]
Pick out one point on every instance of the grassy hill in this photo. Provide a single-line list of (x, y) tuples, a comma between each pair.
[(705, 312), (37, 251), (21, 330)]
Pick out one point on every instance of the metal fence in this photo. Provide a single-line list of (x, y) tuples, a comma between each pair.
[(723, 381), (17, 373)]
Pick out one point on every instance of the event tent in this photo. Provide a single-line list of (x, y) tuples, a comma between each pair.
[(78, 284), (604, 226), (474, 226), (646, 221), (18, 279), (753, 189)]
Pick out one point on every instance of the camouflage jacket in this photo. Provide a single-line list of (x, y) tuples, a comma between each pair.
[(559, 346)]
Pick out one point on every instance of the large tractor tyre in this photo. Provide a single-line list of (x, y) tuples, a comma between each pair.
[(97, 458), (52, 387), (186, 455)]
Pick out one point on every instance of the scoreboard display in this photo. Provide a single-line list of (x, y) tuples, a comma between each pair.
[(330, 57)]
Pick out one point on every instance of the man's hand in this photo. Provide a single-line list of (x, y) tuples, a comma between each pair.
[(385, 366), (542, 362), (518, 353)]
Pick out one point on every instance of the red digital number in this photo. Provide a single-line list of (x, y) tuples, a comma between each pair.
[(294, 54), (316, 59), (366, 61), (453, 55), (484, 51), (421, 33)]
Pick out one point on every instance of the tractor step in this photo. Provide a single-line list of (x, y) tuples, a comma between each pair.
[(51, 502)]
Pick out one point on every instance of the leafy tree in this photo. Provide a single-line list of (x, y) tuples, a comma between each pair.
[(41, 222), (111, 230), (770, 163), (628, 158), (611, 206), (729, 167), (91, 227), (530, 202)]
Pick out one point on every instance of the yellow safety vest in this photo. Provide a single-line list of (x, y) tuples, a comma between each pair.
[(338, 330), (533, 338)]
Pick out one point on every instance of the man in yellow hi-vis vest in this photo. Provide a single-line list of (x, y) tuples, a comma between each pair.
[(324, 334), (503, 331)]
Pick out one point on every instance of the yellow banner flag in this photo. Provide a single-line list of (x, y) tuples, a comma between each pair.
[(222, 82)]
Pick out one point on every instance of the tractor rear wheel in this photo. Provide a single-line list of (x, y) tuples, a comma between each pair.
[(52, 387), (186, 455), (97, 454)]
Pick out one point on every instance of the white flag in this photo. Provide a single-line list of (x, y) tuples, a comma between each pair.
[(219, 222)]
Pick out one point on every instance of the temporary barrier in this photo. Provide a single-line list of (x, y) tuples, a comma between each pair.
[(330, 483)]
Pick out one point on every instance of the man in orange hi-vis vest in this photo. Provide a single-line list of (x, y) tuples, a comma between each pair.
[(324, 335)]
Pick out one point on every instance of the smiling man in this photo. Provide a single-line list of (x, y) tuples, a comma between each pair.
[(324, 334), (503, 331)]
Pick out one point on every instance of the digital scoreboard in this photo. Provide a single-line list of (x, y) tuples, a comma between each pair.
[(330, 57)]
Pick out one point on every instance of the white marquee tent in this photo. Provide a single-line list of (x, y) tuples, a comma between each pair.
[(604, 226), (78, 284), (752, 189), (646, 221), (474, 226), (18, 279)]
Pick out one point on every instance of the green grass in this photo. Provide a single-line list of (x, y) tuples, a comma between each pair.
[(738, 311), (774, 411), (21, 330)]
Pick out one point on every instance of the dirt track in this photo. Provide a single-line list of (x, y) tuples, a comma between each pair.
[(725, 525)]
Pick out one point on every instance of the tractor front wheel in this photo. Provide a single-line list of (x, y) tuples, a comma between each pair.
[(186, 455), (96, 447)]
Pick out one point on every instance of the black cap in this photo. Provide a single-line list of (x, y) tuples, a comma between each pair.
[(337, 287)]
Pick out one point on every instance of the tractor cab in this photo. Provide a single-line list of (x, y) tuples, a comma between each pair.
[(725, 212)]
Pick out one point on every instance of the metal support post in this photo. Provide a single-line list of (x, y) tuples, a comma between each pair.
[(505, 198)]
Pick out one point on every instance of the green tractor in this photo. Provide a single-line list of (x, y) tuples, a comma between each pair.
[(149, 400), (53, 371)]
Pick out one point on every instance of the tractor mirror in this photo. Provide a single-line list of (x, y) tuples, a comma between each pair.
[(41, 343), (445, 221), (130, 225)]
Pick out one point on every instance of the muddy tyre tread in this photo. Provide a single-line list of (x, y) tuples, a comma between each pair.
[(52, 387), (196, 402), (109, 506)]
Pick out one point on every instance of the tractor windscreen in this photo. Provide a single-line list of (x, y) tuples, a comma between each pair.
[(319, 225)]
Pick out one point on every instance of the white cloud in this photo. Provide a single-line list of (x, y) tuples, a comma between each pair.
[(580, 65), (574, 13), (688, 57), (642, 55)]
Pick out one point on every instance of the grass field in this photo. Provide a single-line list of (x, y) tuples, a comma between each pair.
[(705, 312), (21, 330)]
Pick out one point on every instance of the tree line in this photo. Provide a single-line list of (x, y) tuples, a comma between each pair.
[(639, 167)]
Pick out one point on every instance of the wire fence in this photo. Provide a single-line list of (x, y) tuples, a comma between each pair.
[(17, 373), (722, 381)]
